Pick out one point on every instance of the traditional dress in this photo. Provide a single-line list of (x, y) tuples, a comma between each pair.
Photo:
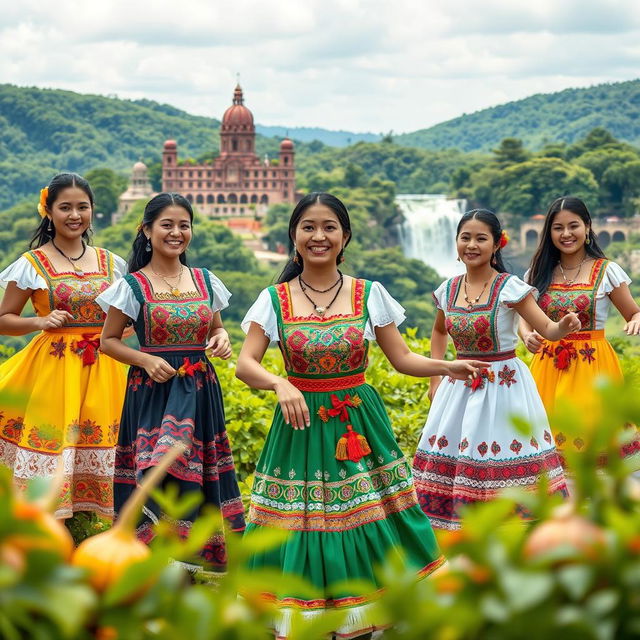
[(569, 367), (65, 396), (469, 450), (188, 407), (342, 487)]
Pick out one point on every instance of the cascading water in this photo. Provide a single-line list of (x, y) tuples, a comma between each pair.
[(428, 232)]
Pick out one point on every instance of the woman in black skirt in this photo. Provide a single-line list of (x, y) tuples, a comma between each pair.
[(172, 390)]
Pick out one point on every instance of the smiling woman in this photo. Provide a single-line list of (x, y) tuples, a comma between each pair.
[(68, 394), (172, 389)]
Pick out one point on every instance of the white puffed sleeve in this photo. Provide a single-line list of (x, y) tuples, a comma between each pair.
[(526, 275), (24, 274), (383, 310), (440, 296), (120, 295), (120, 267), (262, 313), (221, 294), (515, 291), (614, 276)]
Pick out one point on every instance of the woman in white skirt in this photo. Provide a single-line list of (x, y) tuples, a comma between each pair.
[(469, 449)]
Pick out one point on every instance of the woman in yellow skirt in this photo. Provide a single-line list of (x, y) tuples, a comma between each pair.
[(60, 395), (571, 273)]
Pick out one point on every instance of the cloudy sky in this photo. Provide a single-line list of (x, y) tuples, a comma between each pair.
[(359, 65)]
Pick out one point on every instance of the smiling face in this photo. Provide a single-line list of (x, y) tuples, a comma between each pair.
[(170, 233), (319, 237), (475, 243), (568, 232), (70, 213)]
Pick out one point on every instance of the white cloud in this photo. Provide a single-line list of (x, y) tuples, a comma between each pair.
[(343, 64)]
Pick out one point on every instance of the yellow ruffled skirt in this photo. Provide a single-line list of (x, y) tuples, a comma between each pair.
[(61, 396)]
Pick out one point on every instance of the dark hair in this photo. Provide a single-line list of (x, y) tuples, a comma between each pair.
[(547, 255), (59, 182), (491, 220), (139, 255), (292, 269)]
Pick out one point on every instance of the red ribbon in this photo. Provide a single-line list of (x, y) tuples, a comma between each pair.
[(188, 369), (565, 352), (340, 407), (89, 348)]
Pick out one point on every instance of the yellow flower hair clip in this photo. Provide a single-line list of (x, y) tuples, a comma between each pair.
[(42, 205)]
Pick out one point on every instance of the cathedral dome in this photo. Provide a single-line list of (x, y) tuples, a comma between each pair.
[(286, 145), (170, 144), (237, 117)]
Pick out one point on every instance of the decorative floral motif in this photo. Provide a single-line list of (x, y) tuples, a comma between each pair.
[(135, 379), (483, 448), (515, 446), (560, 439), (58, 347), (587, 353), (495, 448), (442, 442), (547, 437), (13, 429), (534, 443), (479, 381), (276, 472), (432, 439), (463, 445), (564, 353), (507, 376)]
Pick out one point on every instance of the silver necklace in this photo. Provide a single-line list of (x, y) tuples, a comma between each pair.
[(579, 268)]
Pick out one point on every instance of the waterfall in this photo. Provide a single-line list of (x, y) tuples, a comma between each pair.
[(428, 232)]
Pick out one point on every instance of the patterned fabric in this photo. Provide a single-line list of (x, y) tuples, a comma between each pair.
[(187, 408), (345, 516), (34, 431), (560, 298)]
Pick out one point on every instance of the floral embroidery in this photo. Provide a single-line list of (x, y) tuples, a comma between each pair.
[(564, 353), (547, 437), (515, 446), (560, 439), (58, 348), (495, 448), (13, 429), (579, 443), (135, 380), (276, 472), (507, 376), (292, 474), (587, 353), (463, 445), (442, 442), (432, 439), (534, 443), (483, 448)]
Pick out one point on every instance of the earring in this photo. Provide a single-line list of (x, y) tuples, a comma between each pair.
[(588, 240), (148, 245), (458, 259), (49, 227), (296, 259)]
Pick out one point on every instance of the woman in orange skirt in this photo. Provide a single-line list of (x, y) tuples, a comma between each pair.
[(571, 273), (59, 396)]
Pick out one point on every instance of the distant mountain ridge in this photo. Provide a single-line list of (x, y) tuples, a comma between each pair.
[(326, 136), (564, 116)]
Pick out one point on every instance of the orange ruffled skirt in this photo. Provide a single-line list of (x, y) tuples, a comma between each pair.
[(61, 396)]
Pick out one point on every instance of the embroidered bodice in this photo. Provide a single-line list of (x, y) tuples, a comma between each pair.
[(70, 292), (486, 329), (178, 324), (323, 347), (590, 300)]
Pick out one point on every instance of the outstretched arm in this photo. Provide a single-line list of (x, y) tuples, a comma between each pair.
[(535, 317), (412, 364), (249, 369)]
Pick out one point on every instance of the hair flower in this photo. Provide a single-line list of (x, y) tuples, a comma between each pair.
[(504, 239), (42, 205)]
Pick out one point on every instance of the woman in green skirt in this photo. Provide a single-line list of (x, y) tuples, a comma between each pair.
[(331, 471)]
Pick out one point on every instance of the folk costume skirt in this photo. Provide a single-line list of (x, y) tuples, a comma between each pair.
[(568, 370), (60, 396), (469, 450), (345, 516), (187, 408)]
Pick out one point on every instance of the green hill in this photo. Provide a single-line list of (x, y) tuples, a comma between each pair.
[(564, 116)]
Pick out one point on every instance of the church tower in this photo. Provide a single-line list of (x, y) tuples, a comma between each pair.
[(237, 131)]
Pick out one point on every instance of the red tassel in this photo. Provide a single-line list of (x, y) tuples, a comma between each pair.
[(89, 349), (477, 382), (565, 352), (352, 446)]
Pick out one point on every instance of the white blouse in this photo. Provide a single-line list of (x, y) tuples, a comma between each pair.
[(381, 307)]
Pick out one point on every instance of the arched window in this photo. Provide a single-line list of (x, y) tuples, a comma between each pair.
[(190, 198), (243, 199), (264, 199), (210, 199), (234, 144), (604, 239), (254, 199), (220, 199), (200, 199), (618, 236), (531, 238), (232, 199), (286, 160)]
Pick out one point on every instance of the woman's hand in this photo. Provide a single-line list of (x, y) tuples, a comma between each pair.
[(294, 407), (463, 369), (569, 323), (219, 345), (56, 319), (632, 328), (533, 341), (159, 369)]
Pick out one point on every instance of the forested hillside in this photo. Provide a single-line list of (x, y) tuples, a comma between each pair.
[(564, 116)]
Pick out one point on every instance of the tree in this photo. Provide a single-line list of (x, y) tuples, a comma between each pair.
[(107, 185)]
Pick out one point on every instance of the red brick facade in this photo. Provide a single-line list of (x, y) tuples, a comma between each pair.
[(237, 182)]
